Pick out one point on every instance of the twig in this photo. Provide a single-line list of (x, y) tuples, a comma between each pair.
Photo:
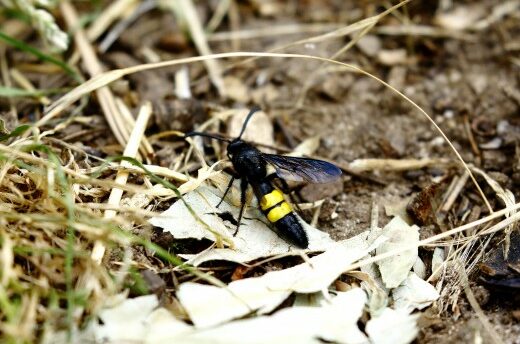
[(455, 192)]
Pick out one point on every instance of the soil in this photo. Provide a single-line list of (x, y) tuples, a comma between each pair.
[(468, 85)]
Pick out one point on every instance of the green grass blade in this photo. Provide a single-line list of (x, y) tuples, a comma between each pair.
[(16, 132), (41, 55)]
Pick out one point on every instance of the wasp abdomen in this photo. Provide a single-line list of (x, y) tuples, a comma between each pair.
[(279, 212), (290, 229)]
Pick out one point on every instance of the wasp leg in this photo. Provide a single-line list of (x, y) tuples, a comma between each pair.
[(227, 189), (243, 189)]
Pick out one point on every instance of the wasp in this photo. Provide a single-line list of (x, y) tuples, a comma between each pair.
[(250, 166)]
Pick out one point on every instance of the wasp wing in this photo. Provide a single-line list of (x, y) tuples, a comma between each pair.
[(299, 169)]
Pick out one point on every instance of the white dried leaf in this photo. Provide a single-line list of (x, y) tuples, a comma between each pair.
[(162, 326), (180, 222), (414, 293), (377, 294), (210, 305), (137, 320), (126, 321), (392, 327), (437, 261), (394, 270), (335, 321), (322, 269), (254, 239), (420, 268)]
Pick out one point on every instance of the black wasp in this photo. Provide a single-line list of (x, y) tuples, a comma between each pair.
[(250, 166)]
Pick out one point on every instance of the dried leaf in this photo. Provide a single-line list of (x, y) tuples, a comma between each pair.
[(335, 321), (137, 320), (414, 293), (254, 239), (392, 327), (419, 268), (210, 305), (395, 270), (377, 295), (437, 261), (126, 321)]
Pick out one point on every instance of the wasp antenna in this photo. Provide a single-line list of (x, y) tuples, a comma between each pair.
[(211, 136), (249, 115)]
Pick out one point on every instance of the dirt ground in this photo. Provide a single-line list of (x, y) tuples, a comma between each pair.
[(463, 71)]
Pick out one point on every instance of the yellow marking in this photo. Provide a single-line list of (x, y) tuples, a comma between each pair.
[(271, 199), (279, 212)]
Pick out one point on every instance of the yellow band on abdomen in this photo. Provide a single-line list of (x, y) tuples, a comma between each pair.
[(278, 212), (271, 199)]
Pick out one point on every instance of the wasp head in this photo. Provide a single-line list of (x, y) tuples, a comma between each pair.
[(235, 148)]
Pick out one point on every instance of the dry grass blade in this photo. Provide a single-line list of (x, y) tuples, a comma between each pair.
[(145, 148), (122, 25), (218, 15), (130, 151), (342, 32), (495, 337), (157, 170), (507, 197), (13, 153), (26, 84), (289, 29), (422, 30), (501, 10), (115, 10), (187, 12), (319, 70), (106, 98), (362, 165)]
